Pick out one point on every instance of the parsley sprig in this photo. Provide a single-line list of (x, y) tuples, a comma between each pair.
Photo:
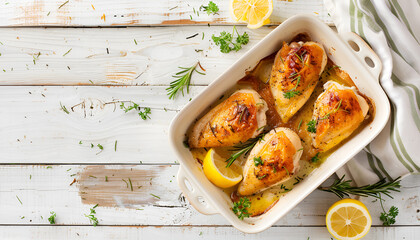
[(388, 218), (51, 219), (93, 220), (225, 40), (240, 208), (342, 188), (143, 114), (211, 8), (183, 79)]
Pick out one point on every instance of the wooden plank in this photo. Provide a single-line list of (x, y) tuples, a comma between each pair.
[(192, 233), (42, 189), (137, 13), (85, 56), (35, 129)]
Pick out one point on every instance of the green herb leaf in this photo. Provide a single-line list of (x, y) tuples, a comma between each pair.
[(240, 208), (183, 79), (211, 8)]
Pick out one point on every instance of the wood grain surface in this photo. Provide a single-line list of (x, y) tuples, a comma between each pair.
[(138, 12)]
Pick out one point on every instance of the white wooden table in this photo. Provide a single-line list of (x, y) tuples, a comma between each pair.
[(123, 50)]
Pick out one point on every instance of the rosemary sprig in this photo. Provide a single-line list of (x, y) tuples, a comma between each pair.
[(343, 188), (183, 79), (243, 149), (333, 111)]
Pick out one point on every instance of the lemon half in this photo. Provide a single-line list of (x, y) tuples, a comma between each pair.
[(214, 167), (255, 12), (348, 219)]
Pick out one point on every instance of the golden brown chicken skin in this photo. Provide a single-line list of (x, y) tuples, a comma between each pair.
[(339, 110), (272, 161), (235, 120), (294, 75)]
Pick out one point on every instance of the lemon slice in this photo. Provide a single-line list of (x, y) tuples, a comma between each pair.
[(255, 12), (348, 219), (216, 171)]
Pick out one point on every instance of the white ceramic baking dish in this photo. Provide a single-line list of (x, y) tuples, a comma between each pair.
[(348, 51)]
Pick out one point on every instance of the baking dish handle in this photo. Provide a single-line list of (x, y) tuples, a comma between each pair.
[(363, 51), (194, 196)]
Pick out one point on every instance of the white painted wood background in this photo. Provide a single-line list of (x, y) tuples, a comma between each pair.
[(39, 143)]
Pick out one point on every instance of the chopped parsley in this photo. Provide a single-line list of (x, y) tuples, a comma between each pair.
[(240, 208), (311, 126)]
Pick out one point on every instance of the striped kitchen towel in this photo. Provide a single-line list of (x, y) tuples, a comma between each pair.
[(392, 28)]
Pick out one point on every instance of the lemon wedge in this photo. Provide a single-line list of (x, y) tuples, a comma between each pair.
[(215, 169), (348, 219), (255, 12)]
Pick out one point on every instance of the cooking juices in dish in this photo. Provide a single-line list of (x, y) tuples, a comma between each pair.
[(281, 122)]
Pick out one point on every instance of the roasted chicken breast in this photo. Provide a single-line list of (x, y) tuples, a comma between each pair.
[(235, 120), (339, 110), (272, 161), (295, 73)]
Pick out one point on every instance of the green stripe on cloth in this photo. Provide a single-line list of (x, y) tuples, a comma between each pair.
[(413, 107), (403, 150), (403, 17), (351, 13), (372, 165), (370, 8), (379, 163), (392, 141)]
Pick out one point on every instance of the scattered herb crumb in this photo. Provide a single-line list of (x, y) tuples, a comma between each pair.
[(64, 108), (63, 4), (155, 196), (135, 41), (67, 52), (19, 200), (115, 146)]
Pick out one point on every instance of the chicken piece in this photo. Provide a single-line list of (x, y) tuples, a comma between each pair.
[(339, 110), (272, 161), (295, 73), (235, 120)]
